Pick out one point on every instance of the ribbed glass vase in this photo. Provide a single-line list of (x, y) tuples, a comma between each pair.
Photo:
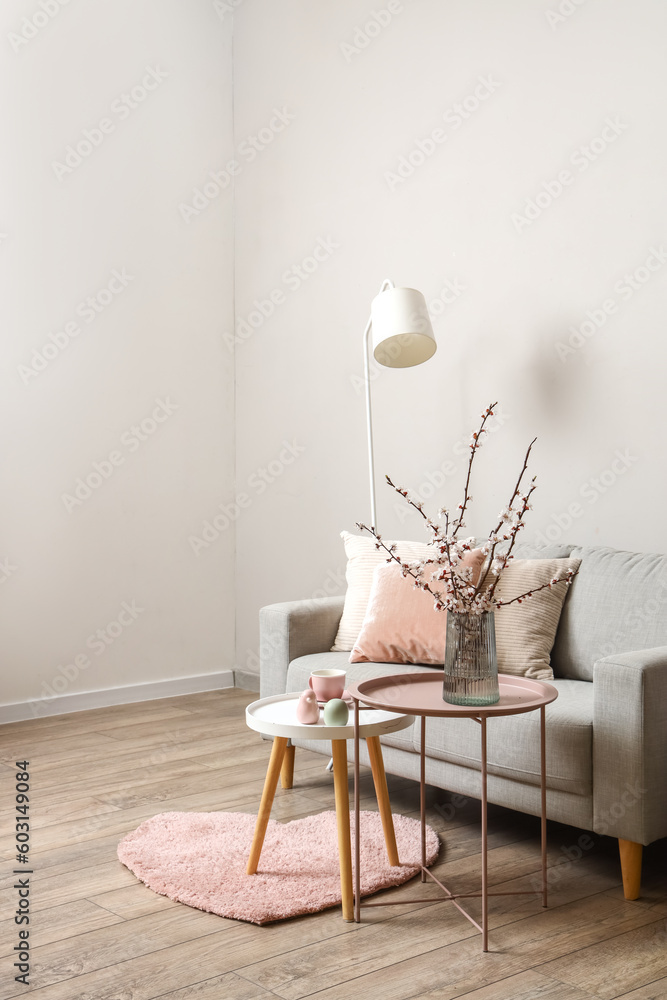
[(471, 665)]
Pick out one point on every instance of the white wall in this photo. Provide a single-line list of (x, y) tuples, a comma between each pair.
[(331, 100), (69, 566), (556, 80)]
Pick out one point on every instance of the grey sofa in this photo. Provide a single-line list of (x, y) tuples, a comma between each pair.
[(606, 732)]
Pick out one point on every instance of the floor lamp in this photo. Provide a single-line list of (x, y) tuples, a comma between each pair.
[(400, 330)]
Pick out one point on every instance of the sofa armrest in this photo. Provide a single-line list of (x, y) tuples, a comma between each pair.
[(630, 745), (293, 629)]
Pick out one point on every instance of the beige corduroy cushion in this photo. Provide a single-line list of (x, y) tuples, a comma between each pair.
[(525, 633)]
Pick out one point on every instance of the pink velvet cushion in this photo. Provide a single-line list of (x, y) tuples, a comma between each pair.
[(401, 624)]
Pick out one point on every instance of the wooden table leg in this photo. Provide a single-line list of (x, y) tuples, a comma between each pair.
[(382, 796), (270, 785), (339, 749), (287, 772)]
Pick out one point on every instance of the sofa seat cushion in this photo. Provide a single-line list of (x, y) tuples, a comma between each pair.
[(301, 668), (513, 741)]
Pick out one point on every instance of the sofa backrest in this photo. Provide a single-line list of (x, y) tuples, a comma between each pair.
[(523, 550), (616, 604)]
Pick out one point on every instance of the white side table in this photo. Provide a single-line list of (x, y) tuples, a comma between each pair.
[(276, 717)]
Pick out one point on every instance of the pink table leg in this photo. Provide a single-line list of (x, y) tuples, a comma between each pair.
[(485, 888), (422, 794), (543, 795)]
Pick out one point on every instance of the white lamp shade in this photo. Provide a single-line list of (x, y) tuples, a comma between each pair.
[(402, 335)]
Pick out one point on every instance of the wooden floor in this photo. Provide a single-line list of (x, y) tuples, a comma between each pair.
[(99, 934)]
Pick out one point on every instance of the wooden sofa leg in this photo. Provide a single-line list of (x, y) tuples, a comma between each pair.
[(631, 867)]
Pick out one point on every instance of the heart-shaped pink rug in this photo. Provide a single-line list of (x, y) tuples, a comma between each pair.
[(200, 859)]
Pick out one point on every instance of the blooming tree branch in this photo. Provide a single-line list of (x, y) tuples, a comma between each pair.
[(475, 445), (506, 516), (461, 593)]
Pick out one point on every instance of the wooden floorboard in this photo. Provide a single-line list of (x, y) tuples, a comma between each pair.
[(99, 934)]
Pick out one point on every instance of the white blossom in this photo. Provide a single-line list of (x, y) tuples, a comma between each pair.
[(460, 591)]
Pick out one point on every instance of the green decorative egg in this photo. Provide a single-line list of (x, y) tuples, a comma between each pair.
[(336, 713)]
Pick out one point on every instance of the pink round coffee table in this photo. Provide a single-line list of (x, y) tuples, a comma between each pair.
[(421, 695)]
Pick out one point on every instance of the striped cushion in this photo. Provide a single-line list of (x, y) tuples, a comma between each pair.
[(362, 558), (525, 632)]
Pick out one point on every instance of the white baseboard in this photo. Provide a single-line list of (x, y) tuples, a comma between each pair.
[(247, 680), (61, 704)]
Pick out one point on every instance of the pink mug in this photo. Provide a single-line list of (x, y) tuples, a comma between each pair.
[(327, 684)]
